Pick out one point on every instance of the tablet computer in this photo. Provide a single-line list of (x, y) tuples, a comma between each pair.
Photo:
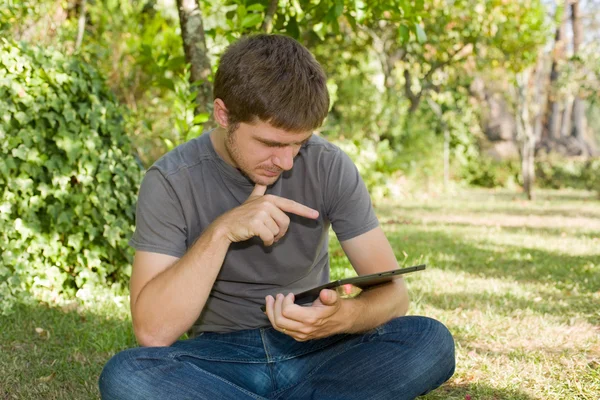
[(347, 287)]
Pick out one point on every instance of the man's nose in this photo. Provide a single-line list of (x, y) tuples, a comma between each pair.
[(284, 158)]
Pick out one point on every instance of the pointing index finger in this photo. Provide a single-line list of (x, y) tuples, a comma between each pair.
[(293, 207)]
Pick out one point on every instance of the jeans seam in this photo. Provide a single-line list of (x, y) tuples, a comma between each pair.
[(314, 371), (312, 350), (253, 395), (269, 361)]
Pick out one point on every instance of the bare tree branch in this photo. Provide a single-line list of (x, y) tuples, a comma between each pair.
[(267, 22), (80, 25)]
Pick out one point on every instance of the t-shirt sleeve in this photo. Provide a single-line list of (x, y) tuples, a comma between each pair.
[(160, 223), (347, 201)]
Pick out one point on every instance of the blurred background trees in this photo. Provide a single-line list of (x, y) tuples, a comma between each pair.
[(426, 95)]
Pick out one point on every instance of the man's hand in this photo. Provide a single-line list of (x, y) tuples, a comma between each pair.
[(263, 216), (327, 316)]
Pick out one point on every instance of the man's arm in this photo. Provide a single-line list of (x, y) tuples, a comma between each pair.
[(168, 294), (369, 253)]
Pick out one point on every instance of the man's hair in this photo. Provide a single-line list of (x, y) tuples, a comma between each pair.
[(275, 79)]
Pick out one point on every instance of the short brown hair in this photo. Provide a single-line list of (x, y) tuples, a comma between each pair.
[(273, 78)]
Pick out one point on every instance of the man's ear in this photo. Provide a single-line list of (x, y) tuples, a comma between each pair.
[(220, 113)]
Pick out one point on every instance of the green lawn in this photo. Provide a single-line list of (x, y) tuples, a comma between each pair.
[(517, 283)]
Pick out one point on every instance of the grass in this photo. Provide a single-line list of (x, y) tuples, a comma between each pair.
[(517, 283)]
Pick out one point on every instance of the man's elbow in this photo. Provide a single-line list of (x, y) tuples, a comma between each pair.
[(147, 338)]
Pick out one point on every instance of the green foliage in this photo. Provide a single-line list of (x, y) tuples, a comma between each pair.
[(573, 173), (68, 180), (375, 162), (491, 173), (315, 19)]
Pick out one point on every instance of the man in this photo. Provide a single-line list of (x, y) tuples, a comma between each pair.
[(239, 218)]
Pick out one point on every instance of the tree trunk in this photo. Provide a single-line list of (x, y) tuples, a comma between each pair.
[(525, 132), (578, 116), (196, 52), (565, 127), (414, 98), (552, 129), (267, 23), (80, 25)]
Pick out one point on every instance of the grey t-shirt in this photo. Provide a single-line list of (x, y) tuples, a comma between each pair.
[(189, 187)]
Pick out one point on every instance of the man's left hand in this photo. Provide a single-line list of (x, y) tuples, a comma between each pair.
[(327, 316)]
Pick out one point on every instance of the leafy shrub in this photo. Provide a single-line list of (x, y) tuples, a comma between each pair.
[(591, 175), (68, 180), (568, 173), (491, 173), (374, 161)]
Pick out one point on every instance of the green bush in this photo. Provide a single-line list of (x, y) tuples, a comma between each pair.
[(490, 173), (591, 175), (374, 161), (68, 180), (568, 173)]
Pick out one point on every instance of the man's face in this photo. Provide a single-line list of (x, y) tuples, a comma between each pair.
[(263, 152)]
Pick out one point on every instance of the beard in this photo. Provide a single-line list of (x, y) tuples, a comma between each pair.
[(244, 166)]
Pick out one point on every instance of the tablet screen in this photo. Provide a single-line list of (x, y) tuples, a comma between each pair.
[(351, 287)]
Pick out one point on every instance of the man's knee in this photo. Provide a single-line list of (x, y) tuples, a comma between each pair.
[(437, 347), (442, 345), (115, 380), (430, 338)]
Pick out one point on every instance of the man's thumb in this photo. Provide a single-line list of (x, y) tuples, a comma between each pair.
[(258, 190), (328, 297)]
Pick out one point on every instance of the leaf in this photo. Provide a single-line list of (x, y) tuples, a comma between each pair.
[(339, 8), (42, 333), (292, 28), (256, 7), (241, 12), (193, 133), (47, 378), (421, 36), (251, 20), (404, 33), (201, 118)]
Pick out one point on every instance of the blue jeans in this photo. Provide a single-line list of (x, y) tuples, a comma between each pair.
[(407, 357)]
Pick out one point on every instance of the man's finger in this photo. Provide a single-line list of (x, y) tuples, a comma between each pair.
[(291, 206), (270, 306), (258, 190)]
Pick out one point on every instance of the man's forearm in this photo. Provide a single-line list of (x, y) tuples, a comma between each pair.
[(375, 307), (172, 301)]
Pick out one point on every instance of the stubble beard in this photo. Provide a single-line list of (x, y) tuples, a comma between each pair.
[(236, 155)]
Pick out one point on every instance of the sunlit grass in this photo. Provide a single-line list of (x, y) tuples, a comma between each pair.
[(517, 283), (518, 288)]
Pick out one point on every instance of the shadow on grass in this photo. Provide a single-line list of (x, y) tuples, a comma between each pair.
[(576, 277), (46, 353), (570, 212), (566, 231), (475, 391), (507, 195)]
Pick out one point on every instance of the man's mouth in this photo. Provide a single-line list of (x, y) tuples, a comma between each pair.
[(271, 173)]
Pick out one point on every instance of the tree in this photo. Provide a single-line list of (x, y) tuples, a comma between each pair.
[(310, 22), (578, 113), (196, 52), (551, 131)]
